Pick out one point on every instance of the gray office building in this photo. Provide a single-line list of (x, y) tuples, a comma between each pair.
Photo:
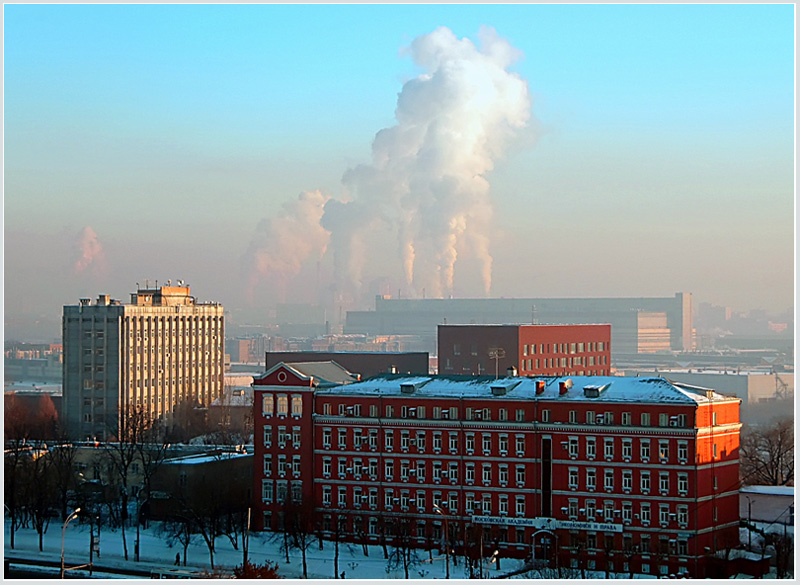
[(162, 349)]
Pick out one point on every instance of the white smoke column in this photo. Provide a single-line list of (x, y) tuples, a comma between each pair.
[(89, 252), (281, 244), (427, 179)]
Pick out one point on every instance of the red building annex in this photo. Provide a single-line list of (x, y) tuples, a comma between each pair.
[(531, 350), (630, 475)]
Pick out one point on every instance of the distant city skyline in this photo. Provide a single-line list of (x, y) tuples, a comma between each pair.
[(619, 150)]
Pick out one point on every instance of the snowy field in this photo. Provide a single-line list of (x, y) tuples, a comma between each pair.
[(156, 554)]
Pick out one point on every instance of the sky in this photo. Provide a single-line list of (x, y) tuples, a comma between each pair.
[(319, 154)]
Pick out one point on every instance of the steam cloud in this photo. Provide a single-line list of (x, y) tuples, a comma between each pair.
[(89, 252), (281, 244), (426, 184)]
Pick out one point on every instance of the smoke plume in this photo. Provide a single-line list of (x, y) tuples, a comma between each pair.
[(88, 252), (282, 244), (426, 186)]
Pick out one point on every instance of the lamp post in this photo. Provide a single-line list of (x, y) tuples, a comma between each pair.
[(63, 531), (749, 523), (439, 511)]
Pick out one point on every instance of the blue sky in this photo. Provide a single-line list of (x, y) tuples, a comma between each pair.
[(200, 120)]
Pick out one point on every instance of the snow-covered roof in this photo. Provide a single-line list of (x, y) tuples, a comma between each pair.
[(328, 372), (772, 490), (205, 458), (616, 389)]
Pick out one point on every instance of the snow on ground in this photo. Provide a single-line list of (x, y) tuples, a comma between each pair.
[(156, 554)]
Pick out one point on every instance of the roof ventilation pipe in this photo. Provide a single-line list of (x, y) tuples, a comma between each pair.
[(512, 372), (563, 387)]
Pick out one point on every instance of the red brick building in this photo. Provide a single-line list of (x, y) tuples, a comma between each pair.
[(629, 475), (532, 350)]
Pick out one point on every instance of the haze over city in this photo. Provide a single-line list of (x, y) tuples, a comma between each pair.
[(269, 154)]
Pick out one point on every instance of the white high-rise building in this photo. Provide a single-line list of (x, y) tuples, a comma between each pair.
[(162, 349)]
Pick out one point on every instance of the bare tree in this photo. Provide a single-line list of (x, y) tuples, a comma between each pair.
[(766, 454), (299, 526), (178, 529), (404, 553)]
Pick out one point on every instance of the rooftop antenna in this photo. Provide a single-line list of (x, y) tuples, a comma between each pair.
[(533, 314)]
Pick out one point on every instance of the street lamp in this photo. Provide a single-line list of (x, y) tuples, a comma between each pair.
[(439, 511), (63, 531)]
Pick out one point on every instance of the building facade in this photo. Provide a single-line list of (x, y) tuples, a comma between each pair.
[(644, 324), (629, 475), (532, 350), (162, 349)]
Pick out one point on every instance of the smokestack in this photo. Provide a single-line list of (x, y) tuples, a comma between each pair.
[(539, 387), (564, 386), (512, 372)]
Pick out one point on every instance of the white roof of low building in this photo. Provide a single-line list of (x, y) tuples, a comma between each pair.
[(613, 388), (772, 490)]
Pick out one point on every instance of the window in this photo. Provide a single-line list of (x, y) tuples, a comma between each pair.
[(591, 510), (503, 414), (469, 503), (573, 478), (627, 449), (470, 472), (683, 515), (453, 472), (389, 469), (644, 449), (487, 473), (626, 418), (487, 443), (663, 419), (326, 495), (373, 410), (663, 482), (389, 411), (326, 438), (520, 416), (268, 436), (373, 439), (487, 503), (573, 416), (266, 491), (437, 442), (572, 508), (297, 406), (404, 467), (608, 448), (404, 440), (589, 417), (342, 409), (591, 447), (627, 512), (503, 504), (645, 481), (267, 405), (663, 450), (342, 500), (296, 437), (573, 446), (644, 512), (520, 474), (453, 442), (357, 439), (342, 438), (520, 507), (520, 445), (608, 480), (420, 470), (457, 349), (326, 467), (389, 440), (645, 420), (357, 468), (627, 479), (663, 513), (608, 418), (373, 468), (388, 499), (421, 441), (342, 466), (503, 474), (421, 500), (683, 484), (267, 464), (470, 442), (545, 416), (503, 440), (683, 451), (591, 479), (283, 405)]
